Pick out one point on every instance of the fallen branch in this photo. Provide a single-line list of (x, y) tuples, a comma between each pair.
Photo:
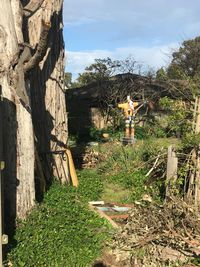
[(169, 232), (192, 245), (144, 241), (154, 165), (151, 159)]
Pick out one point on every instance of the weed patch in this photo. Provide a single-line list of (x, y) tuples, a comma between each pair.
[(61, 231), (134, 181), (90, 185)]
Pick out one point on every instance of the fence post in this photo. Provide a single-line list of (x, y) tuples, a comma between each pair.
[(1, 168), (172, 168), (3, 238)]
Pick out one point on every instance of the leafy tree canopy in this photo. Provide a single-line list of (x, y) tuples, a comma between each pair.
[(103, 69), (186, 60), (68, 80)]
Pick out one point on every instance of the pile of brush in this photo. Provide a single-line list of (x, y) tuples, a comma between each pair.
[(159, 236), (90, 158)]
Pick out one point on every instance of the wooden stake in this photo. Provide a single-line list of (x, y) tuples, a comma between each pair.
[(194, 113), (72, 169), (1, 168), (194, 177), (172, 166)]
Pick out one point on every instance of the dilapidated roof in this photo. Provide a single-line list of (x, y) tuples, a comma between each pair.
[(137, 86)]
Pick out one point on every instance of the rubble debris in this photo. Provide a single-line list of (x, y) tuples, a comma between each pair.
[(120, 209), (103, 215), (119, 216), (96, 203), (106, 135), (105, 208), (146, 197), (111, 211), (114, 208), (158, 236)]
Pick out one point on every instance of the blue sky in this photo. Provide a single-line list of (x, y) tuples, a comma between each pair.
[(146, 29)]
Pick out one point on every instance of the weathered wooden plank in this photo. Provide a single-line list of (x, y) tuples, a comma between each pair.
[(197, 116), (103, 215), (172, 168), (172, 164), (2, 165), (194, 113)]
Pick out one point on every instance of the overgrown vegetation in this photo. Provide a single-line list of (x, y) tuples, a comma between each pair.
[(70, 233), (178, 117), (62, 231), (128, 168)]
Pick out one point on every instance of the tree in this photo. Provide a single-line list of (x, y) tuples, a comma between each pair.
[(161, 74), (103, 69), (18, 139), (32, 80), (68, 80), (186, 60), (183, 76), (47, 90), (96, 72)]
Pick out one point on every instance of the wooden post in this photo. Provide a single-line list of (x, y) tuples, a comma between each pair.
[(3, 238), (172, 167), (72, 169), (197, 167), (192, 195), (197, 183), (197, 187), (197, 116), (1, 168), (191, 187), (194, 113)]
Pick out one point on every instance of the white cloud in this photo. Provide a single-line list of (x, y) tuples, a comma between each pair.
[(154, 57)]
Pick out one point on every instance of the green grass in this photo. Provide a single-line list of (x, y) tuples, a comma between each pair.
[(115, 193), (124, 169), (62, 232)]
